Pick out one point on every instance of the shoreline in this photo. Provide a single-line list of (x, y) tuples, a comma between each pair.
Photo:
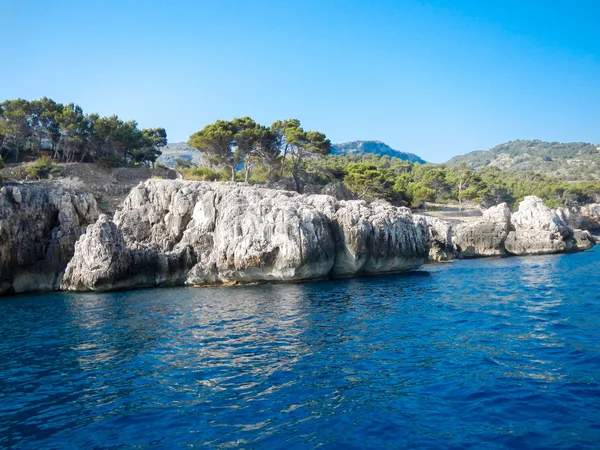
[(170, 233)]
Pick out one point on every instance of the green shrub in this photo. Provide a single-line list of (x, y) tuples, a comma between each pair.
[(182, 163), (203, 174), (40, 168)]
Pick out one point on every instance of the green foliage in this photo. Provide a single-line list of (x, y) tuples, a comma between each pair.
[(226, 143), (403, 182), (572, 161), (300, 147), (368, 181), (1, 163), (242, 143), (358, 148), (29, 128), (40, 168), (182, 163), (205, 174)]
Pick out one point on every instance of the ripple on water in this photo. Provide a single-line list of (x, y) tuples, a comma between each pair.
[(495, 353)]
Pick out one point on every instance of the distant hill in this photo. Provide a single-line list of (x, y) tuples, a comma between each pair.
[(374, 147), (568, 161), (179, 150)]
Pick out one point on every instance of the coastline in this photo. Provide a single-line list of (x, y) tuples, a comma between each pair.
[(172, 232)]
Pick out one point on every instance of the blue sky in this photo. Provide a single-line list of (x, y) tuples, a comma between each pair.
[(436, 78)]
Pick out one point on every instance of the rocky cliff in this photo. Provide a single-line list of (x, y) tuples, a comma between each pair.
[(39, 226), (173, 232), (181, 232), (533, 229), (585, 217)]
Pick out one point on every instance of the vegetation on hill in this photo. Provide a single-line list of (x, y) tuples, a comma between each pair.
[(371, 176), (372, 147), (285, 145), (568, 161), (48, 132), (31, 129), (243, 150), (412, 184)]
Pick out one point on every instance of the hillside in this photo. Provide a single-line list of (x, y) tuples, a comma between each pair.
[(568, 161), (374, 147), (179, 150)]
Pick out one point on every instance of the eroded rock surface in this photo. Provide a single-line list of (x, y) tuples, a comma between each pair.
[(538, 230), (182, 232), (441, 240), (38, 230), (584, 217), (485, 236)]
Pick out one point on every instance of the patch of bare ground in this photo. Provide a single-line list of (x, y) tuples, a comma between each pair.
[(109, 185), (453, 212)]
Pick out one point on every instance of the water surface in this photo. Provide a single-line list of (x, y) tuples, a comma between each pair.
[(494, 353)]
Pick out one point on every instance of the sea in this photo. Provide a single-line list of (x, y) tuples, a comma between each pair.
[(488, 353)]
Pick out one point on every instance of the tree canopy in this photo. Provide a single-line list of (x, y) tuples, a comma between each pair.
[(241, 143), (67, 134)]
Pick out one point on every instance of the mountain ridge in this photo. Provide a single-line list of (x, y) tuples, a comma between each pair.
[(566, 160), (181, 150), (373, 147)]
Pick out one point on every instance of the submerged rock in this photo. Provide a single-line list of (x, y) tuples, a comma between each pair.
[(38, 230), (182, 232)]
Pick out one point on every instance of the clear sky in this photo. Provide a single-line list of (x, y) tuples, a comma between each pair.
[(436, 78)]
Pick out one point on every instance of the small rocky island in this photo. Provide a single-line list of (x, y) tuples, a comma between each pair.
[(175, 232)]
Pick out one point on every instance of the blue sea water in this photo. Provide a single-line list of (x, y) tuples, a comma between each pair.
[(485, 353)]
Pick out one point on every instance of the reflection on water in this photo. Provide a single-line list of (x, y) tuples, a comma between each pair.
[(499, 351)]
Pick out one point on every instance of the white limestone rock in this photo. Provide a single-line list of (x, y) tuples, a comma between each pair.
[(584, 217), (441, 241), (39, 225), (485, 236), (184, 232), (538, 230)]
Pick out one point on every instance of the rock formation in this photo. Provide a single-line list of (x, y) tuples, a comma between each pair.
[(583, 240), (533, 230), (38, 230), (584, 217), (170, 232), (338, 191), (181, 232), (441, 240), (485, 236), (538, 230)]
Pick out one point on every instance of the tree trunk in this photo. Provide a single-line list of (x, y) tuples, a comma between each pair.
[(285, 150), (233, 173), (297, 180), (247, 172)]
